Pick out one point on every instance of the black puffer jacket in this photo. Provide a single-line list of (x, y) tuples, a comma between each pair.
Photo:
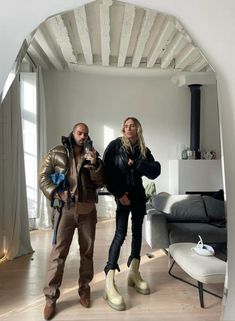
[(120, 177)]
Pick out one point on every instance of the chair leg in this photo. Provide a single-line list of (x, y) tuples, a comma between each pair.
[(199, 286), (200, 289)]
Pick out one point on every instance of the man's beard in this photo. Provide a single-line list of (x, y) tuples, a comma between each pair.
[(79, 144)]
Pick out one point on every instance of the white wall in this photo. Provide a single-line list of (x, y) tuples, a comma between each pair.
[(211, 25), (193, 176), (106, 99)]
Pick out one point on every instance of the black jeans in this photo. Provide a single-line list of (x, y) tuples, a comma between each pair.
[(138, 210)]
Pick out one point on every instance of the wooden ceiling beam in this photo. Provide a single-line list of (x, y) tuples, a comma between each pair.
[(47, 49), (62, 38), (187, 56), (175, 46), (198, 65), (128, 21), (105, 31), (39, 56), (83, 31), (167, 33), (149, 18)]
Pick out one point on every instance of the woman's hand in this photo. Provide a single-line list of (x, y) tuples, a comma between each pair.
[(130, 162), (124, 200)]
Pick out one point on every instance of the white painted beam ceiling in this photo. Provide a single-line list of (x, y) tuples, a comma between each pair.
[(111, 33)]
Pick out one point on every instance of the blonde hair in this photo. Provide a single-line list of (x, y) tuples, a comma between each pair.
[(126, 143)]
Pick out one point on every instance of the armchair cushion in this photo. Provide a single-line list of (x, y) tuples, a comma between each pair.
[(215, 208), (181, 208)]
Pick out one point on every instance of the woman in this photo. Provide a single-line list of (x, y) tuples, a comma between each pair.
[(126, 160)]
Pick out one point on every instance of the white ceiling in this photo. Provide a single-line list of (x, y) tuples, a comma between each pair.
[(115, 34)]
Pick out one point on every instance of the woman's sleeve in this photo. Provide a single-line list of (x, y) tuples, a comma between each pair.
[(149, 167)]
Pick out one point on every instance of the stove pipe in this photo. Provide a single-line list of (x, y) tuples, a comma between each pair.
[(195, 119)]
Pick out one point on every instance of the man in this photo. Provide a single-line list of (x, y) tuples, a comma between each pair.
[(69, 175)]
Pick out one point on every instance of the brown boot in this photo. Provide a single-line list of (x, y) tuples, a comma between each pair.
[(85, 301), (49, 311), (85, 296)]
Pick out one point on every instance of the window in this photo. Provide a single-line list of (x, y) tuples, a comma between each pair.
[(28, 82)]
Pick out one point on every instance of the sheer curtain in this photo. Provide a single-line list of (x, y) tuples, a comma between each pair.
[(14, 201), (1, 183), (44, 210)]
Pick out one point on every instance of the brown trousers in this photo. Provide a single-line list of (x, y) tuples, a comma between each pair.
[(85, 224)]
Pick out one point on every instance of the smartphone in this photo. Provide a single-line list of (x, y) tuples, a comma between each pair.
[(88, 145)]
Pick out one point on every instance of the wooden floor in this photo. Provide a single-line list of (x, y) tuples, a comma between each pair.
[(21, 283)]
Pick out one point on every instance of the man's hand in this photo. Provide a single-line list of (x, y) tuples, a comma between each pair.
[(63, 196), (91, 156), (124, 200)]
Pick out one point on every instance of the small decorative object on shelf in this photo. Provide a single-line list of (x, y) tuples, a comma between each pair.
[(213, 154), (179, 149), (190, 154), (209, 155), (198, 154), (184, 154)]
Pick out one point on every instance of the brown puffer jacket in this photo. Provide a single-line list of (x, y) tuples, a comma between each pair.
[(57, 161)]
